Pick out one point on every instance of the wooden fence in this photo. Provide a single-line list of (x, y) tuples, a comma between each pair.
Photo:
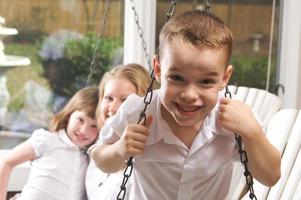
[(85, 15), (51, 15)]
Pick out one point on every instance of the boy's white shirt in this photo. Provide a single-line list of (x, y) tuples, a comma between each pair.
[(169, 169), (58, 172)]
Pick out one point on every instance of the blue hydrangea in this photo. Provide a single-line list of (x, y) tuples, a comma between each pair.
[(53, 47)]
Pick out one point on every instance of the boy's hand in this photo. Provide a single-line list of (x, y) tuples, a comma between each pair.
[(134, 138), (237, 117)]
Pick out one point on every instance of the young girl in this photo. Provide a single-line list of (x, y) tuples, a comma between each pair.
[(58, 157), (114, 88)]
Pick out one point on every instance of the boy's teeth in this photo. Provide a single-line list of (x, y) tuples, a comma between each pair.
[(187, 108)]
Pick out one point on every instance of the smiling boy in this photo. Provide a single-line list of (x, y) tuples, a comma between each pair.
[(186, 148)]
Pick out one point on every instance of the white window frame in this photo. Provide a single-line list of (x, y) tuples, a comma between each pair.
[(289, 63), (133, 50), (289, 55)]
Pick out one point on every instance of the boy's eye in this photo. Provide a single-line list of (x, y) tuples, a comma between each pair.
[(207, 81)]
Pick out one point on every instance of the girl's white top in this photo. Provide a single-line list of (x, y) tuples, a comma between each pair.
[(58, 172), (100, 185)]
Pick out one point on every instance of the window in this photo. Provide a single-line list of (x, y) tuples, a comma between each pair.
[(59, 37), (250, 23)]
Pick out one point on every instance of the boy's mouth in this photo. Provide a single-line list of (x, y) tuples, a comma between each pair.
[(184, 108)]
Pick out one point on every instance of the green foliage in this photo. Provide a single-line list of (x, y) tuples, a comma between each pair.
[(70, 73), (251, 72), (29, 36), (80, 54)]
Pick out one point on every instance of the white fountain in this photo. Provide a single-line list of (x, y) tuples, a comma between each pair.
[(8, 139), (7, 62)]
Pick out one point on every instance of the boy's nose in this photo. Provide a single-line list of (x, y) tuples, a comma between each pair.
[(190, 94)]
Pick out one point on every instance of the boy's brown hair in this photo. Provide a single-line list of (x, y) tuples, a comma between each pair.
[(85, 100), (199, 28)]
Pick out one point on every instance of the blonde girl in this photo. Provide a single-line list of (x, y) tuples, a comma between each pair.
[(115, 86)]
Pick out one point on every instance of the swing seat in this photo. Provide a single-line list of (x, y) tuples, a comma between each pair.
[(284, 132), (263, 103)]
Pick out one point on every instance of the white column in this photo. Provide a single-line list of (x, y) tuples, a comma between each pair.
[(290, 53), (133, 50)]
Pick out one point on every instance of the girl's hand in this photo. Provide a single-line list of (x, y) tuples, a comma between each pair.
[(134, 138), (237, 117)]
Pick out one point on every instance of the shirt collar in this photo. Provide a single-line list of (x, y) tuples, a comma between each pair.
[(66, 140), (159, 129)]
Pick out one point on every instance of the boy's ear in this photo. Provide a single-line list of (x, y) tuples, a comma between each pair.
[(157, 68), (227, 76)]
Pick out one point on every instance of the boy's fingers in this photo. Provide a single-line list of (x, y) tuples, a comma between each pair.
[(224, 100), (148, 121)]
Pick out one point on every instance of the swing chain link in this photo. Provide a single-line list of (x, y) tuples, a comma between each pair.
[(243, 157), (129, 164), (171, 10), (98, 40), (126, 175), (207, 5), (140, 33)]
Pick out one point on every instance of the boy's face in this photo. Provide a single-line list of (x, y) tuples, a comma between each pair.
[(190, 80)]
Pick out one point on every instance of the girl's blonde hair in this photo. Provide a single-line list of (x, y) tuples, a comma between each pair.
[(85, 100), (135, 73)]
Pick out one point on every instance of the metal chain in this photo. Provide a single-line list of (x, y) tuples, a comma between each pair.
[(243, 158), (147, 98), (169, 14), (99, 40), (171, 10), (207, 5), (129, 165), (140, 32)]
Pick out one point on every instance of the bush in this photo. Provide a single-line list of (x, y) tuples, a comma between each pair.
[(80, 55), (252, 71), (29, 37), (67, 56)]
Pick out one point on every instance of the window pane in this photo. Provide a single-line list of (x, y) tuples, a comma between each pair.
[(60, 38), (250, 22)]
